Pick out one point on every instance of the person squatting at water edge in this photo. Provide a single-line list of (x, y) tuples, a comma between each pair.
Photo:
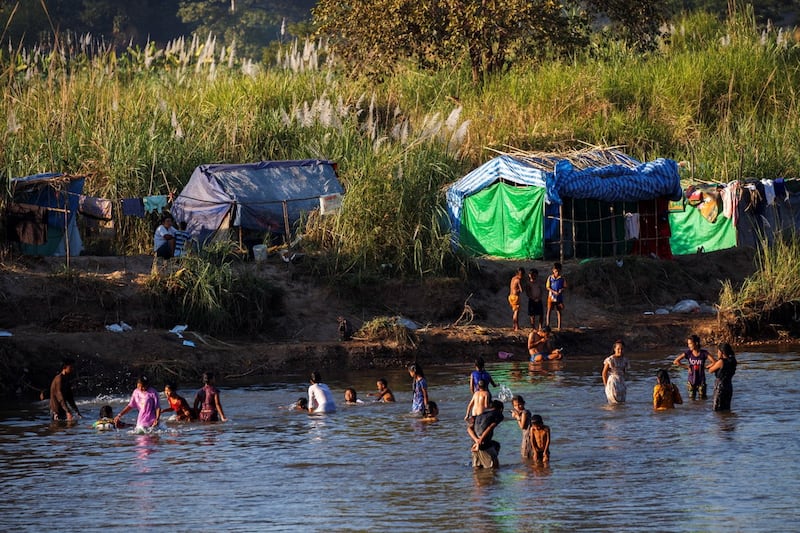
[(665, 393), (320, 397), (61, 396), (145, 400), (615, 368), (696, 358), (419, 401), (723, 368), (207, 404), (539, 346), (480, 428)]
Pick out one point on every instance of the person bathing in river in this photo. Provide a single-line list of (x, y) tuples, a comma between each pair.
[(351, 397), (479, 402), (207, 404), (615, 368), (145, 400), (419, 402), (724, 368), (320, 398), (523, 418), (540, 439), (384, 394), (178, 404), (478, 374), (696, 359), (481, 428), (665, 393)]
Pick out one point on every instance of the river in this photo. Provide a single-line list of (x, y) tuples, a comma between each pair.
[(371, 467)]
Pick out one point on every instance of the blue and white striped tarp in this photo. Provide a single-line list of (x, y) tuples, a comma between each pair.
[(610, 183)]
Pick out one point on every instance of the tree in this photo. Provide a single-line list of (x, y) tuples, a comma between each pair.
[(252, 24), (372, 35)]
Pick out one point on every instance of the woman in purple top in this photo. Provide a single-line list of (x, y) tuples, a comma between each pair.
[(145, 400), (206, 401), (696, 358)]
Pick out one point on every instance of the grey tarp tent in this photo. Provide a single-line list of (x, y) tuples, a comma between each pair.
[(268, 196)]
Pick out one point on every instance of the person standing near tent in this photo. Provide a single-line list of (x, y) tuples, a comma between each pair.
[(164, 238), (61, 398), (555, 294), (534, 291), (514, 291)]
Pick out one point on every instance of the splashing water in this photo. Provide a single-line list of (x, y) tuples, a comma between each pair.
[(504, 394)]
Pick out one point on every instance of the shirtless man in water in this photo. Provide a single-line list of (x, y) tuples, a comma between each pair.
[(514, 291), (539, 346)]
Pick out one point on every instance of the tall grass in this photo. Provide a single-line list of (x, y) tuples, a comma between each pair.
[(722, 94), (775, 282)]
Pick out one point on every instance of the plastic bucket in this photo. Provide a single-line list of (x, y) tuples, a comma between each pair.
[(260, 252)]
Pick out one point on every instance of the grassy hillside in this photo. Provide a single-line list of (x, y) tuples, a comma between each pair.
[(722, 95)]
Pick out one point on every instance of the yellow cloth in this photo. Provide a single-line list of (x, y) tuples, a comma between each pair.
[(513, 301)]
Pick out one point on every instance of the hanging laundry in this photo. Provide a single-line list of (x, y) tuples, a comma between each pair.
[(769, 191), (780, 189), (26, 223), (91, 206), (133, 207), (730, 201), (677, 206), (631, 226), (154, 203)]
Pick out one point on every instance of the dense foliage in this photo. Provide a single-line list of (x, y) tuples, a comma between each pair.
[(720, 94)]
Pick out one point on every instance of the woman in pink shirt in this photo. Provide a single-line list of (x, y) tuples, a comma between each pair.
[(145, 400)]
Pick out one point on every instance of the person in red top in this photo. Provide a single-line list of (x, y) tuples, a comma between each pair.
[(178, 404)]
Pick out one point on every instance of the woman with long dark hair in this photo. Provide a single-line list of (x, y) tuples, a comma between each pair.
[(723, 368)]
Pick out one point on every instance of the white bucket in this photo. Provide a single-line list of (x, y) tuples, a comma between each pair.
[(260, 252)]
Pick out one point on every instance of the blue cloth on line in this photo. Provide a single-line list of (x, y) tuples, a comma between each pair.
[(133, 207)]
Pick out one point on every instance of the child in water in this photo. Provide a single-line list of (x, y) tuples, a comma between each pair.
[(178, 404), (351, 397), (432, 415), (523, 418), (665, 393), (540, 439), (384, 393), (106, 420), (480, 401)]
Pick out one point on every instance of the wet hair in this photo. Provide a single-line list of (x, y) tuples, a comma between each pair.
[(482, 384), (67, 361), (143, 380), (695, 339), (316, 377), (497, 405), (416, 369), (351, 389), (518, 399), (383, 382), (480, 363), (302, 403), (662, 377), (726, 349), (536, 420), (106, 412), (433, 409), (208, 377)]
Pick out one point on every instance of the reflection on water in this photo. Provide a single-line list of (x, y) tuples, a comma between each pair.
[(372, 466)]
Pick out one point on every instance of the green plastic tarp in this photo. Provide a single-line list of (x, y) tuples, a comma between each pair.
[(690, 230), (504, 221)]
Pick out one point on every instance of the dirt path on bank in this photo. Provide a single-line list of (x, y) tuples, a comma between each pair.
[(52, 312)]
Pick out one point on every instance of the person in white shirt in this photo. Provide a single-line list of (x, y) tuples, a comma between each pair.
[(164, 238), (320, 399)]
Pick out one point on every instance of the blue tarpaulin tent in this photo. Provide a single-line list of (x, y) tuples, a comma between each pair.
[(59, 194), (263, 196)]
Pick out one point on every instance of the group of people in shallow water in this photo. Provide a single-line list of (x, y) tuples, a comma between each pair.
[(695, 359), (206, 407)]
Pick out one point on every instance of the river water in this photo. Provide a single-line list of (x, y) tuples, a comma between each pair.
[(371, 467)]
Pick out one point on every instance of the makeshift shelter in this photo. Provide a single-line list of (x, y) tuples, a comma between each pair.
[(41, 214), (516, 205), (264, 197)]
